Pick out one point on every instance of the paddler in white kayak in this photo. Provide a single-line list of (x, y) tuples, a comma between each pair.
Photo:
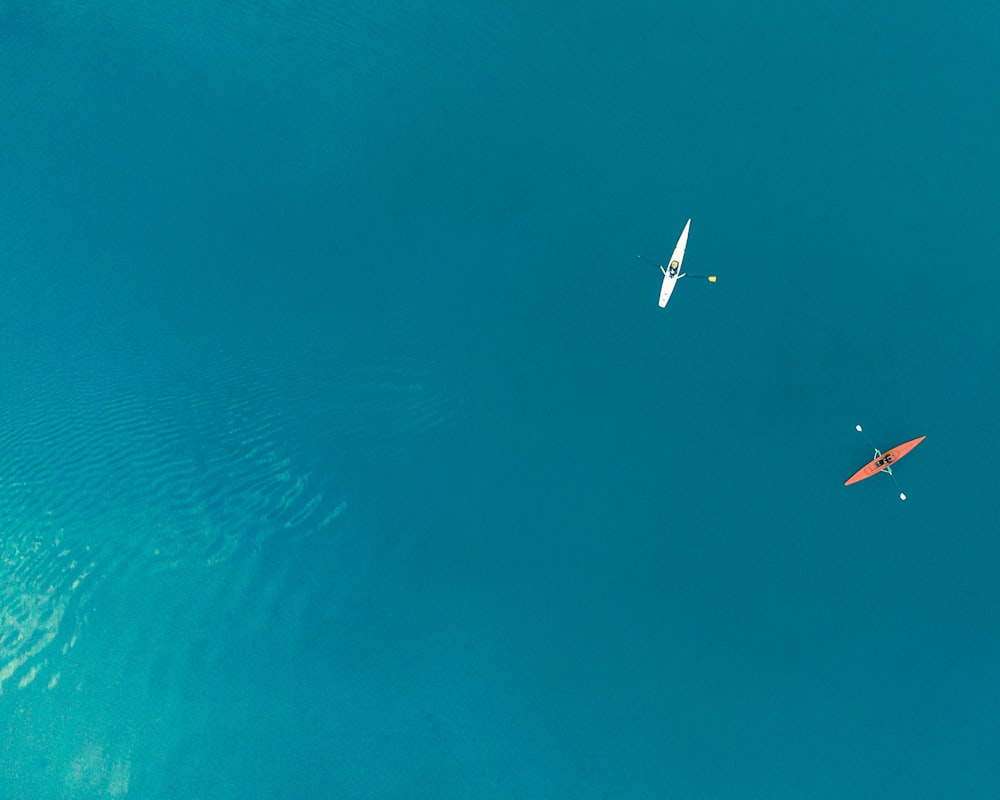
[(672, 273)]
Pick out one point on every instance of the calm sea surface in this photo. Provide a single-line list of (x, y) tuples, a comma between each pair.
[(344, 452)]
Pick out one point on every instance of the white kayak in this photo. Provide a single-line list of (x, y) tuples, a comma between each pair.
[(672, 273)]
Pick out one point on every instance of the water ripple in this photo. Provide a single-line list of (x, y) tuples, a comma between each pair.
[(111, 477)]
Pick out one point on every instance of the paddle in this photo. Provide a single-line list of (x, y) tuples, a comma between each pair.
[(878, 454)]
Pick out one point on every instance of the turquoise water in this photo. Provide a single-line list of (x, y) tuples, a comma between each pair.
[(346, 453)]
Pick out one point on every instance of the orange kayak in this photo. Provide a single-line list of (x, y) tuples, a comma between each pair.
[(887, 459)]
